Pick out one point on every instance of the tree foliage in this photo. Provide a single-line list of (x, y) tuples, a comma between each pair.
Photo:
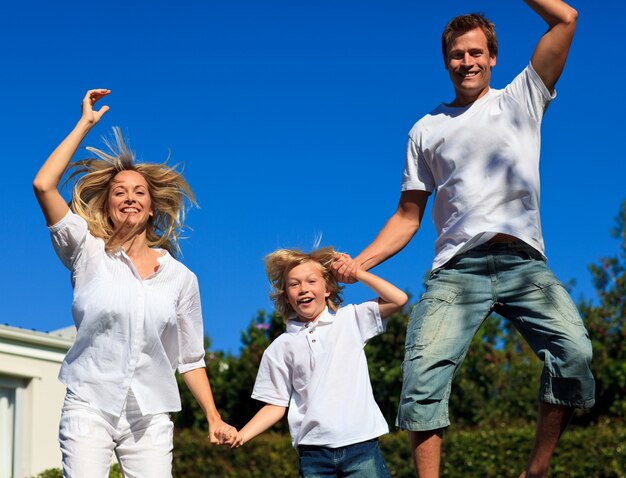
[(606, 323), (384, 356)]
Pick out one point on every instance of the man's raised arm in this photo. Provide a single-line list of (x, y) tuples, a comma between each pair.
[(551, 52)]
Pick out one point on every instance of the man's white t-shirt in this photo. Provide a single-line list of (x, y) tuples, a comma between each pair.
[(482, 161)]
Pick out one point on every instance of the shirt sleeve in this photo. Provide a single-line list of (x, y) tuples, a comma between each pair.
[(273, 380), (530, 92), (190, 326), (417, 174), (368, 320), (68, 239)]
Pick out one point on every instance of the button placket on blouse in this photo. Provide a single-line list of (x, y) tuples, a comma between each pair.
[(137, 321)]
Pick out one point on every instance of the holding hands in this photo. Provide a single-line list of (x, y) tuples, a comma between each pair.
[(390, 298), (218, 430), (344, 269), (228, 435)]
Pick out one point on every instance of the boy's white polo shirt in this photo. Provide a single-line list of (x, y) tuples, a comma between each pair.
[(319, 370)]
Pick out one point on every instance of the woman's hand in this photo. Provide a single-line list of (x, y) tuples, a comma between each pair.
[(221, 433), (89, 115)]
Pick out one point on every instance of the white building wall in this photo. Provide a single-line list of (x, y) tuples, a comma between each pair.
[(32, 360)]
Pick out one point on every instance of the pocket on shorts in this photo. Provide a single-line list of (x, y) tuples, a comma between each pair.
[(427, 317), (560, 299), (160, 430), (74, 424)]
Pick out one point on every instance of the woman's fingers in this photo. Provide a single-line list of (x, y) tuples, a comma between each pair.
[(90, 98)]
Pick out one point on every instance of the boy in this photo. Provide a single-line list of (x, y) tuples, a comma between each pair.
[(318, 367)]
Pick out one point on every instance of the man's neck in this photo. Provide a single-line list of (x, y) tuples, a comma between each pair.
[(461, 100)]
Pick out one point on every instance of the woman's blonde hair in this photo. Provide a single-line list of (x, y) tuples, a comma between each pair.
[(170, 194), (280, 262)]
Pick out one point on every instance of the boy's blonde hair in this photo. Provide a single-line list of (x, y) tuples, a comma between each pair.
[(280, 262), (170, 194)]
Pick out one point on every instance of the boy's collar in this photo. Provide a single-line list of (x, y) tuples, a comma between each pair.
[(295, 326)]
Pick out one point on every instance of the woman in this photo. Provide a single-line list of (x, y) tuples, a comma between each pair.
[(136, 308)]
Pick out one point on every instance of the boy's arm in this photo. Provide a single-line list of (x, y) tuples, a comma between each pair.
[(390, 298), (551, 52), (265, 418)]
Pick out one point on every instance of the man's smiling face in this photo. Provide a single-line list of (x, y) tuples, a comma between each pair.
[(469, 64)]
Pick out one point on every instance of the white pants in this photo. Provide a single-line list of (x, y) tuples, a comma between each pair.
[(88, 437)]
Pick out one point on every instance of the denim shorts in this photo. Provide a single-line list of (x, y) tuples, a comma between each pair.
[(513, 280), (360, 460)]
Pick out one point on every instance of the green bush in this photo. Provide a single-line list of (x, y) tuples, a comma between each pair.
[(52, 473), (584, 452), (597, 451), (57, 473), (269, 455)]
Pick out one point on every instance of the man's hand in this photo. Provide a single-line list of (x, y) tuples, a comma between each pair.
[(344, 268)]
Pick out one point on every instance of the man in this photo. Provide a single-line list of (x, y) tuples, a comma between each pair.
[(480, 154)]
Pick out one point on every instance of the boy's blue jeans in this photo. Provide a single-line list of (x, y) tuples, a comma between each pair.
[(513, 280), (360, 460)]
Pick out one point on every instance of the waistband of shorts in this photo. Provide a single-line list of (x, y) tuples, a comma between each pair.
[(515, 245), (495, 248)]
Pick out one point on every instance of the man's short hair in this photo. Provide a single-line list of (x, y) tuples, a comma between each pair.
[(465, 23)]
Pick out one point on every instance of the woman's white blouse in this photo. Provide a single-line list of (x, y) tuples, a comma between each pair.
[(131, 333)]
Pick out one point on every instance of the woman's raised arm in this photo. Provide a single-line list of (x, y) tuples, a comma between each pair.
[(47, 180)]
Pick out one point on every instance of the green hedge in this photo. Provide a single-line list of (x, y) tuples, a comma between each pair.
[(270, 455), (57, 473), (597, 451)]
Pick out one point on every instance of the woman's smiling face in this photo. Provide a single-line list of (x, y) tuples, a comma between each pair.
[(129, 202)]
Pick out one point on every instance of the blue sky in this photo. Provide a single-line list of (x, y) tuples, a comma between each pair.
[(291, 120)]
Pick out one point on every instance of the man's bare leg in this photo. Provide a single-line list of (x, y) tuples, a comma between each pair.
[(550, 426), (426, 447)]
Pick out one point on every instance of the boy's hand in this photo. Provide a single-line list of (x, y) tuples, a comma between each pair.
[(344, 269), (238, 441)]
